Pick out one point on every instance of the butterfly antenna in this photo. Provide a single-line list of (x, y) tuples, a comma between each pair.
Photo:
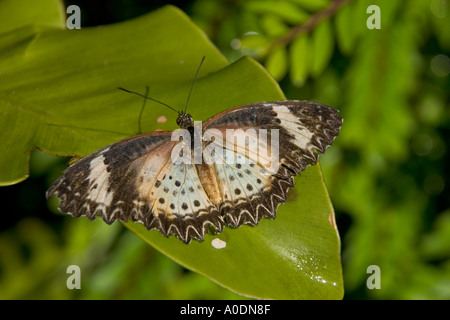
[(192, 86), (147, 88), (144, 96)]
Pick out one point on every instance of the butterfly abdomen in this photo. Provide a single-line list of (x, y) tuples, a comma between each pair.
[(209, 182)]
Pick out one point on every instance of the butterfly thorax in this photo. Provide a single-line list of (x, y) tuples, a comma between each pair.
[(185, 120)]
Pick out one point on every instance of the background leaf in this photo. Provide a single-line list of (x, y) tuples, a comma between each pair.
[(273, 25), (346, 35), (299, 54), (322, 46), (277, 62), (288, 11), (312, 5)]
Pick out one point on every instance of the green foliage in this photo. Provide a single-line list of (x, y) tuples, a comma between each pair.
[(381, 82), (322, 45), (68, 105), (49, 13), (300, 55), (269, 39)]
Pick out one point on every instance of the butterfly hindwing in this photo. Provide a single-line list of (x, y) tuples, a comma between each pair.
[(178, 202)]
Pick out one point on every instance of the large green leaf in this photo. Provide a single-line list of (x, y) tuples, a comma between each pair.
[(58, 93), (44, 12)]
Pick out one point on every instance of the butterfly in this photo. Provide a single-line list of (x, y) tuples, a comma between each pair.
[(137, 178)]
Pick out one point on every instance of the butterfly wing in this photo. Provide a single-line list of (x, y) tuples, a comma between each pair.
[(135, 179), (253, 189)]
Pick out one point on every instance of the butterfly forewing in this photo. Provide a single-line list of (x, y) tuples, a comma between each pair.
[(137, 179)]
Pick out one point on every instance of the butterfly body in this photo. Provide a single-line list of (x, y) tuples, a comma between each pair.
[(136, 178), (185, 120)]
